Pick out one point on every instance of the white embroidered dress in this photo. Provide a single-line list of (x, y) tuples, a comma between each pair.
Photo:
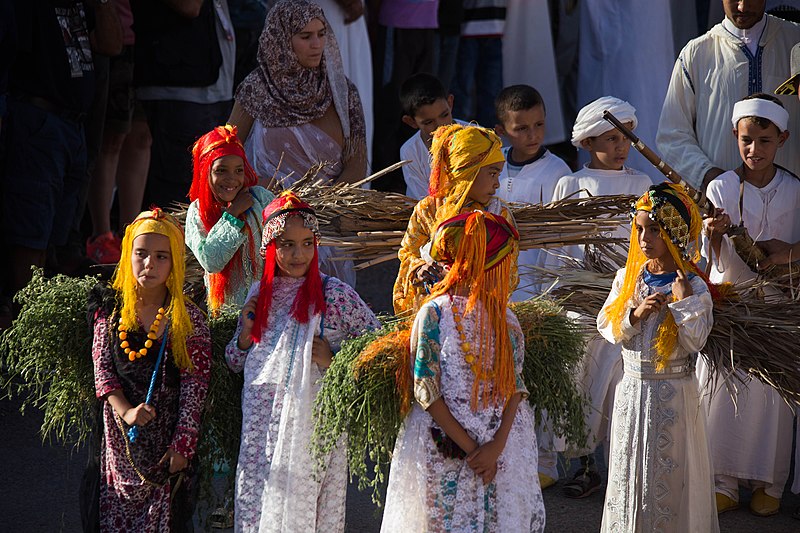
[(275, 487), (433, 493), (659, 473)]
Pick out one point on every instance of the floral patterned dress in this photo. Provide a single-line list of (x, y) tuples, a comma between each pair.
[(431, 492), (128, 502), (659, 472), (275, 485)]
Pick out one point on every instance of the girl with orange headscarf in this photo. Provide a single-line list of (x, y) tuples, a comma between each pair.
[(660, 310), (152, 358), (223, 224), (466, 457), (467, 161)]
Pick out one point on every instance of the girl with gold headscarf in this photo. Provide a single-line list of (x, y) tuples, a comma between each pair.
[(466, 456), (660, 311), (467, 161), (152, 356)]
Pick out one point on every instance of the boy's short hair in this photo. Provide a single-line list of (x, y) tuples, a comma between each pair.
[(762, 122), (420, 90), (516, 98)]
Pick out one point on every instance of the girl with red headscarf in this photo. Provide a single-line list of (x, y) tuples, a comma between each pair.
[(223, 223), (293, 322)]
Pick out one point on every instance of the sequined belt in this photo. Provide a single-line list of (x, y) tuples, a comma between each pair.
[(676, 369)]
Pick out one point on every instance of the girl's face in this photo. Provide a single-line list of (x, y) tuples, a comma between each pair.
[(294, 248), (648, 233), (309, 43), (486, 183), (609, 150), (227, 177), (151, 260)]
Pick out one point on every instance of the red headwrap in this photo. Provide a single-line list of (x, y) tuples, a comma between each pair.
[(219, 142), (310, 295)]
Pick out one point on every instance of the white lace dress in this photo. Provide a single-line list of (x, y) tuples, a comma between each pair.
[(659, 474), (275, 487), (433, 493)]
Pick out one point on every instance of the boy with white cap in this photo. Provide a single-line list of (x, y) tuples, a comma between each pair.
[(751, 434), (605, 174)]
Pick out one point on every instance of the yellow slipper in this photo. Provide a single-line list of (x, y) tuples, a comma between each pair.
[(762, 504), (546, 481), (725, 503)]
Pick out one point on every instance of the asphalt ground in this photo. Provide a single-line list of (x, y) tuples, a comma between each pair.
[(40, 482)]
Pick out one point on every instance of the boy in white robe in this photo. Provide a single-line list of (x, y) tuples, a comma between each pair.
[(530, 172), (426, 106), (605, 174), (529, 176), (751, 439)]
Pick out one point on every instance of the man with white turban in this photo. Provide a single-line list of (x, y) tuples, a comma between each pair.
[(746, 53), (605, 174)]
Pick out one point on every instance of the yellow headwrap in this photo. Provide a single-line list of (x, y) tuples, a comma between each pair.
[(681, 223), (124, 282), (458, 154)]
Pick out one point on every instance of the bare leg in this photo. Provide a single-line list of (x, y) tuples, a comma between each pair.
[(134, 161), (101, 188)]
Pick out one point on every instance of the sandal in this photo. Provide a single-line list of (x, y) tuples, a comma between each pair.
[(221, 518), (583, 484)]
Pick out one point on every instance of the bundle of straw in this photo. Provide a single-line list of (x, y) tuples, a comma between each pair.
[(754, 336)]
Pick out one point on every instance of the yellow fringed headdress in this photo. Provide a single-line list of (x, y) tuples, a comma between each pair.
[(124, 282), (458, 153), (680, 221), (479, 247)]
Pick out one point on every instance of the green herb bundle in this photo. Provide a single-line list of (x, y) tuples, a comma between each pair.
[(47, 355), (554, 347), (359, 403)]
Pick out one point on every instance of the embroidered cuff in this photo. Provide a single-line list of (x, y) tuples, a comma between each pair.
[(184, 442), (628, 330), (426, 391), (104, 387), (233, 220)]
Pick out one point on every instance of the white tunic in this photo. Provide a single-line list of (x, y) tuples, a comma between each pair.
[(533, 184), (417, 174), (711, 74), (659, 472), (753, 439)]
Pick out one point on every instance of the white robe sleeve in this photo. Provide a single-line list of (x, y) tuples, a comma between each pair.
[(604, 326), (676, 138), (694, 317)]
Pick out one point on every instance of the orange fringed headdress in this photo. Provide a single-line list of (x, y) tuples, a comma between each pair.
[(458, 153), (124, 282), (219, 142), (680, 221), (479, 248)]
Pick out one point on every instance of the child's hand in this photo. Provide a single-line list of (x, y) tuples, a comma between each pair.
[(242, 202), (321, 352), (429, 273), (778, 252), (483, 460), (716, 226), (248, 320), (651, 304), (176, 461), (139, 415), (681, 287)]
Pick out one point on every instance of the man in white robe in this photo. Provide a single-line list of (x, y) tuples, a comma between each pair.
[(746, 53)]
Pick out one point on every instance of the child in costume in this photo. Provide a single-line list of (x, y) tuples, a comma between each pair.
[(152, 357), (292, 324), (660, 312), (223, 224), (751, 439), (467, 161), (465, 458), (605, 174)]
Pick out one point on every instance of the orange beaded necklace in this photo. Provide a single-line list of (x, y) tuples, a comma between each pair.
[(151, 336), (466, 346)]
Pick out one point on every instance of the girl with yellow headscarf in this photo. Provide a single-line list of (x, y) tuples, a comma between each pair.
[(466, 164), (152, 357), (660, 310)]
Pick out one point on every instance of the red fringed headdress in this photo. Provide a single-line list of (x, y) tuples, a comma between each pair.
[(310, 295), (219, 142)]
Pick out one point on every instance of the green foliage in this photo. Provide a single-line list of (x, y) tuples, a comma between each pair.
[(554, 347), (218, 447), (46, 355), (359, 403)]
